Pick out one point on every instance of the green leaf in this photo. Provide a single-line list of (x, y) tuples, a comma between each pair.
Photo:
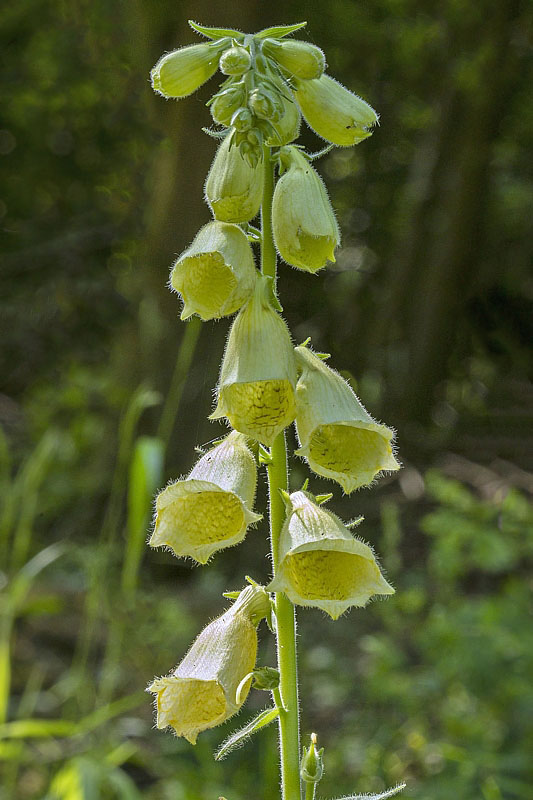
[(145, 475), (216, 33), (238, 738), (279, 32), (381, 796)]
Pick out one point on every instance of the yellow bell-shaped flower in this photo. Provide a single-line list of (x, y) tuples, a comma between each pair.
[(335, 113), (216, 274), (338, 437), (321, 564), (304, 225), (234, 188), (258, 372), (181, 72), (201, 692), (211, 508)]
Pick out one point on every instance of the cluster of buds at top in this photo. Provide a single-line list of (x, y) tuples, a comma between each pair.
[(270, 83), (265, 383)]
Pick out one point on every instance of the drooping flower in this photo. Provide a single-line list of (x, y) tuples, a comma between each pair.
[(321, 564), (211, 508), (216, 274), (338, 437), (181, 72), (300, 59), (234, 188), (333, 112), (304, 225), (258, 372), (201, 693)]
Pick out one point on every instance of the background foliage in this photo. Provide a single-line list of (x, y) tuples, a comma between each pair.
[(427, 310)]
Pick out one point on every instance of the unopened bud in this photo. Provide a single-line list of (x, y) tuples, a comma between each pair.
[(338, 437), (321, 564), (304, 225), (235, 61), (266, 104), (225, 104), (242, 120), (182, 72), (301, 59), (201, 693), (335, 113), (257, 376), (287, 128), (312, 764), (216, 274)]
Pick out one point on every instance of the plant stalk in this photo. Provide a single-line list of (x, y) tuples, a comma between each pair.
[(289, 718)]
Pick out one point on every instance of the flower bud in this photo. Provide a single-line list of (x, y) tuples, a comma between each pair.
[(312, 764), (226, 103), (287, 128), (338, 437), (242, 120), (182, 72), (304, 225), (321, 564), (216, 274), (258, 373), (303, 60), (211, 508), (201, 692), (266, 104), (333, 112), (235, 61), (233, 188)]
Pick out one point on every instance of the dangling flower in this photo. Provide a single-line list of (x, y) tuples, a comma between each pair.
[(234, 189), (300, 59), (321, 564), (216, 274), (201, 693), (212, 508), (338, 437), (335, 113), (304, 225), (258, 373), (182, 72)]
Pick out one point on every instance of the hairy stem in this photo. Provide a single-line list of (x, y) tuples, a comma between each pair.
[(289, 718)]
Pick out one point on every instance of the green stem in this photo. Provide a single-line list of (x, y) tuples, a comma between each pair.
[(289, 718), (310, 791)]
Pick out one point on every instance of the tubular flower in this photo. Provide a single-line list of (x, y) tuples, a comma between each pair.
[(234, 189), (335, 113), (304, 225), (182, 72), (216, 274), (338, 437), (211, 509), (321, 564), (299, 59), (201, 692), (258, 373)]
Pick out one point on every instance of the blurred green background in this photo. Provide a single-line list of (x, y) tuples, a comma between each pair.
[(105, 394)]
